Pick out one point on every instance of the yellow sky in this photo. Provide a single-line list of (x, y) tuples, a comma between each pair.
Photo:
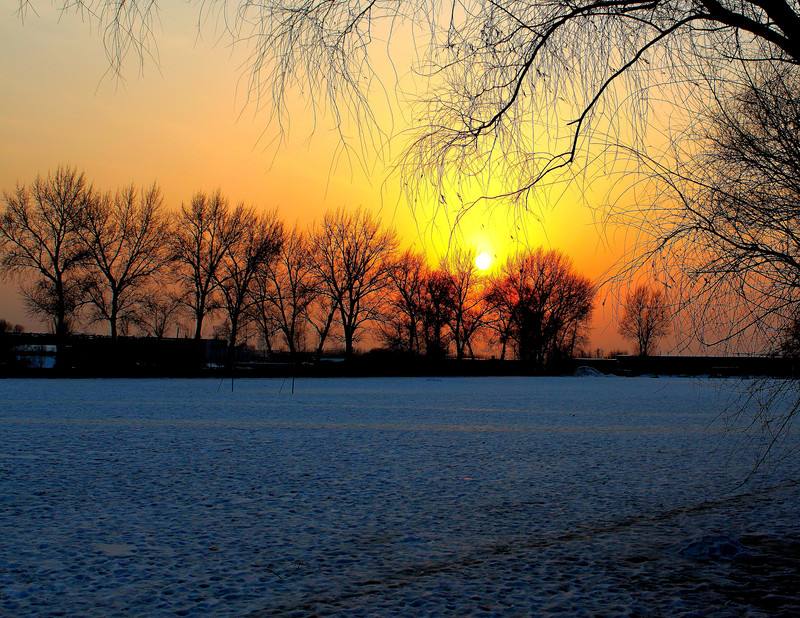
[(184, 123)]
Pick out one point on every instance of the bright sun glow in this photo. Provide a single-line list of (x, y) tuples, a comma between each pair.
[(483, 261)]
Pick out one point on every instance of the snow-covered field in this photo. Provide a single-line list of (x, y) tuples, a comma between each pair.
[(517, 496)]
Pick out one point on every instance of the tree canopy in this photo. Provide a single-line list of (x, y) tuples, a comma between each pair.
[(509, 84)]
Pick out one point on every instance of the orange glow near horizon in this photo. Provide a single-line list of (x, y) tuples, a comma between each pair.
[(185, 125)]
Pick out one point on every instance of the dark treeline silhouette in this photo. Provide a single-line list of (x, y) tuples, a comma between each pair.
[(123, 260), (645, 318), (8, 327)]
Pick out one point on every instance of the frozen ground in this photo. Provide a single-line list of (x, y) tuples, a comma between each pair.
[(571, 496)]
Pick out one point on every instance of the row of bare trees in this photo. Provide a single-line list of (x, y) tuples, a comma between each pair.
[(119, 257), (123, 260), (537, 304)]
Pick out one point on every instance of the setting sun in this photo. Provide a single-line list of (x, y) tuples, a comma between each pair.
[(486, 289), (483, 261)]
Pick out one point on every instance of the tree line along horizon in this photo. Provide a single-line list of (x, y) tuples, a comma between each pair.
[(122, 259)]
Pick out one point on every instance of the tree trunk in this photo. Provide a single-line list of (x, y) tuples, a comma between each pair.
[(459, 341), (267, 343), (61, 310), (112, 320), (199, 314), (60, 324), (323, 332), (348, 342)]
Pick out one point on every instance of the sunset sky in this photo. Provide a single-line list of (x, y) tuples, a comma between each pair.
[(185, 122)]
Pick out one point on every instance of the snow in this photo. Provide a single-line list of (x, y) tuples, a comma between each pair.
[(518, 496)]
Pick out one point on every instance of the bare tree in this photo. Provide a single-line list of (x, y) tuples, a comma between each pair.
[(286, 287), (789, 341), (428, 310), (644, 318), (402, 320), (39, 238), (8, 327), (549, 305), (723, 225), (352, 262), (320, 315), (468, 306), (156, 311), (257, 241), (266, 321), (499, 299), (127, 238), (437, 313), (516, 82), (204, 232)]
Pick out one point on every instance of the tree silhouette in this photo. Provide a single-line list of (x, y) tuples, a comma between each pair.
[(8, 327), (126, 236), (204, 232), (499, 300), (257, 240), (722, 229), (437, 313), (39, 237), (286, 287), (468, 307), (548, 305), (402, 317), (290, 282), (320, 315), (644, 318), (156, 310), (514, 82), (352, 262)]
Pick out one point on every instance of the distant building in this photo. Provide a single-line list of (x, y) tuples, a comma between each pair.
[(35, 356)]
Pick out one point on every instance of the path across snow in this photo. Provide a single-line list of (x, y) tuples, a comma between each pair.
[(517, 496)]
